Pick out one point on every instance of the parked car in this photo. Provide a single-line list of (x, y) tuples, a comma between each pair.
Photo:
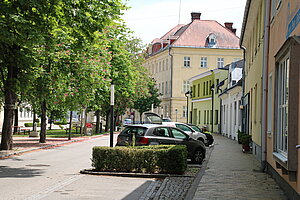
[(210, 138), (127, 121), (197, 135), (166, 119), (153, 134)]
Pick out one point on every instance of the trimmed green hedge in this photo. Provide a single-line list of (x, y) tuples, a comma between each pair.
[(31, 124), (170, 159), (60, 123)]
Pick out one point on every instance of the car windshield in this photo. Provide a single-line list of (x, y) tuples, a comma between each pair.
[(196, 128), (131, 130)]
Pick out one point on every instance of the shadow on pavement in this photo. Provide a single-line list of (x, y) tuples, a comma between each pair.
[(8, 172), (137, 193)]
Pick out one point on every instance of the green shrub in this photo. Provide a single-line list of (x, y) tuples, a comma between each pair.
[(63, 122), (170, 159), (31, 124), (245, 139)]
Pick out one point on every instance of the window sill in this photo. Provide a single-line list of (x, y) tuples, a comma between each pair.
[(280, 157)]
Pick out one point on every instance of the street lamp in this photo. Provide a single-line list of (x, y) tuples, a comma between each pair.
[(112, 101), (176, 111), (187, 104)]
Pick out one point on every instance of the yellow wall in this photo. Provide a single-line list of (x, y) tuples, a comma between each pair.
[(181, 73), (253, 42)]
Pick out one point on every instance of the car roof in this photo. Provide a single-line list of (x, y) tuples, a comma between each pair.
[(144, 125)]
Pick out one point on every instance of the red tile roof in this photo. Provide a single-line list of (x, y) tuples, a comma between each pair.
[(195, 34)]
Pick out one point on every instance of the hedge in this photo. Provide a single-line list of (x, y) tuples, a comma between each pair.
[(31, 124), (170, 159)]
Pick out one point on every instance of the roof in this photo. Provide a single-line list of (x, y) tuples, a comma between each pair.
[(196, 33)]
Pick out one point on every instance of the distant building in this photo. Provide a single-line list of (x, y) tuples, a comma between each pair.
[(231, 97), (205, 103), (185, 51)]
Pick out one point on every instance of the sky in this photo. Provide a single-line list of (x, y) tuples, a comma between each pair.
[(150, 19)]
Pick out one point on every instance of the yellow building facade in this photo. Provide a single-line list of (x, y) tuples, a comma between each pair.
[(185, 51)]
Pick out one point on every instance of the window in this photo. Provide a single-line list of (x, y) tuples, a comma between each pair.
[(184, 128), (216, 117), (163, 65), (159, 66), (186, 86), (199, 90), (204, 89), (159, 88), (203, 62), (282, 87), (199, 117), (163, 88), (187, 61), (162, 132), (178, 134), (167, 64), (184, 111), (166, 87), (204, 116), (212, 40), (220, 63)]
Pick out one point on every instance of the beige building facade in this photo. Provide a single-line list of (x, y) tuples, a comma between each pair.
[(185, 51)]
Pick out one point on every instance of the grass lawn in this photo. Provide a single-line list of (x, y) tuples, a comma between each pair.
[(58, 133)]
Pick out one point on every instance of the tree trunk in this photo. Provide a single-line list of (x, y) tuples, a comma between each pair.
[(10, 98), (81, 122), (85, 121), (16, 121), (97, 121), (70, 125), (43, 122)]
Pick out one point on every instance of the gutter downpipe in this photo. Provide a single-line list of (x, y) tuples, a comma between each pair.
[(171, 84), (264, 87)]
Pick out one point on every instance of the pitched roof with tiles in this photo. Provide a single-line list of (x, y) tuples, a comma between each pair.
[(196, 33)]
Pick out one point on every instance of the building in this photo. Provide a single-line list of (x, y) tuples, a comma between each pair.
[(252, 37), (185, 51), (271, 35), (205, 103), (230, 99)]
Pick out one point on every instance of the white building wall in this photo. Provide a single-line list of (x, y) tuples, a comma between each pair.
[(232, 115)]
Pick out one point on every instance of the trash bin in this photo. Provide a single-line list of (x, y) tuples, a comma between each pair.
[(89, 129)]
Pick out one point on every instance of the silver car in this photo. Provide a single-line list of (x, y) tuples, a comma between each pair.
[(189, 130)]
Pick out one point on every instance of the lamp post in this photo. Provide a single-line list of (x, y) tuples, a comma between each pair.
[(187, 105), (176, 111), (112, 101)]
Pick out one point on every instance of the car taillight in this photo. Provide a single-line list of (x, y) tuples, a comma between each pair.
[(143, 140)]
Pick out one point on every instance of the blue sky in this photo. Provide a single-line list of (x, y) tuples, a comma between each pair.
[(151, 19)]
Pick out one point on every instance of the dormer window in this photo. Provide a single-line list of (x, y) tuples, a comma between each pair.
[(212, 40)]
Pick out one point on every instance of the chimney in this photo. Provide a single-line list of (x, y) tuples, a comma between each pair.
[(229, 26), (195, 15)]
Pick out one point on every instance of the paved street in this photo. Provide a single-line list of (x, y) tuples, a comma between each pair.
[(231, 174), (54, 174)]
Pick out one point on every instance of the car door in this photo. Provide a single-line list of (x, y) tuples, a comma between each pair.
[(161, 135), (180, 138)]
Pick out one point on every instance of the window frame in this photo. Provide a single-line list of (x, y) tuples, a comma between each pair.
[(186, 61)]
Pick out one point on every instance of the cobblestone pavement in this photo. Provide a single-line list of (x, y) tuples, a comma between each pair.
[(231, 174), (171, 188)]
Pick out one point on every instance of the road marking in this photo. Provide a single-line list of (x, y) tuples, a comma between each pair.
[(47, 191)]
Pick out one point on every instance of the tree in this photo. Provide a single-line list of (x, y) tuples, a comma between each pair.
[(30, 26), (151, 98)]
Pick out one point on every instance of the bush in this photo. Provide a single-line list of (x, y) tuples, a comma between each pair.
[(170, 159), (245, 139), (63, 122), (31, 124)]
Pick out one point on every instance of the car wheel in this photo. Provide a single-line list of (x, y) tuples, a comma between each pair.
[(198, 156)]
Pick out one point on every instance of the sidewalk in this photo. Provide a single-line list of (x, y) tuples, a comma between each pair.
[(232, 174), (27, 144)]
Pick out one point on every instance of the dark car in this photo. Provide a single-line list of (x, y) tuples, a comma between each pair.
[(151, 134), (210, 138)]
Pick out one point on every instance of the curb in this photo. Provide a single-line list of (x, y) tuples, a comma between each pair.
[(129, 174), (192, 190), (45, 147)]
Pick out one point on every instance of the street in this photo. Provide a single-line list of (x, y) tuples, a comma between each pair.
[(54, 174)]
